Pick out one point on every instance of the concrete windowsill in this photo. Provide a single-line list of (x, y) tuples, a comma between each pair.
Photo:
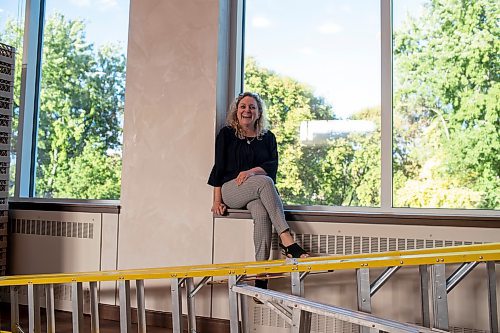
[(379, 218)]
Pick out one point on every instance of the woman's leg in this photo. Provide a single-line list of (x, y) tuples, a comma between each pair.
[(257, 187), (262, 187), (262, 230)]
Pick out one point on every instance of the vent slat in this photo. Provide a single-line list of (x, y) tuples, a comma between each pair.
[(340, 245), (323, 244), (331, 244), (263, 316), (53, 228)]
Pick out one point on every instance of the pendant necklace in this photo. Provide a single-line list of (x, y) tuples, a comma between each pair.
[(250, 141)]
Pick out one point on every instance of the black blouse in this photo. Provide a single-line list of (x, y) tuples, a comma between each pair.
[(233, 155)]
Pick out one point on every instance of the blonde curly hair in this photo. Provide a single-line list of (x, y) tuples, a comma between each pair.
[(261, 125)]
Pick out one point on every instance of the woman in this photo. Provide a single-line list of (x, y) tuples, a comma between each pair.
[(244, 174)]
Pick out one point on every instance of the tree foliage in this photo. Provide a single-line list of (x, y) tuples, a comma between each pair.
[(446, 120), (81, 111), (343, 172), (446, 124), (447, 73)]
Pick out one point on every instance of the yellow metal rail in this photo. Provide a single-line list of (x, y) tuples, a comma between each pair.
[(431, 263), (445, 255)]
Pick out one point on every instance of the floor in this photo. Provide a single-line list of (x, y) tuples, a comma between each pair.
[(64, 322)]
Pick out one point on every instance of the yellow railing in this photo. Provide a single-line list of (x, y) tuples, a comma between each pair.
[(436, 258), (445, 255)]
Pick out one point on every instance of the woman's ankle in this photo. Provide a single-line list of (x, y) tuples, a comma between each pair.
[(261, 283)]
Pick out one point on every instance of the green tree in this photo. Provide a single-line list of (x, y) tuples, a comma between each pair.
[(343, 171), (81, 111), (447, 73), (288, 103), (98, 174)]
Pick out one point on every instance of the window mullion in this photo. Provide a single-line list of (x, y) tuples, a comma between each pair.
[(29, 100), (386, 104), (231, 57)]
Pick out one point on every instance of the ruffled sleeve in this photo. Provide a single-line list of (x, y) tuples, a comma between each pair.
[(271, 165), (217, 174)]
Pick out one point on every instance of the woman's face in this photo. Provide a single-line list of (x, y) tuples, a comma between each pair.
[(248, 112)]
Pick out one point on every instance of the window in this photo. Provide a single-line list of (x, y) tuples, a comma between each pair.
[(319, 70), (79, 100), (446, 109), (319, 75)]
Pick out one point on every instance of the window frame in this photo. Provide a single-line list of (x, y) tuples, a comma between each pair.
[(386, 97), (29, 99), (229, 83), (31, 74)]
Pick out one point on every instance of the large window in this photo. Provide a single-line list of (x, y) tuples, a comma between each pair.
[(81, 99), (75, 94), (446, 104), (319, 69)]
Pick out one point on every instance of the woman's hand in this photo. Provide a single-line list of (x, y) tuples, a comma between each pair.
[(218, 208), (243, 176)]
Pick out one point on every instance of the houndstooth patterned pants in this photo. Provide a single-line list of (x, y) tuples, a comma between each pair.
[(258, 194)]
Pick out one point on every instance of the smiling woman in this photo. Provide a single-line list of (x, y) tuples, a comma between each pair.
[(244, 175), (248, 116)]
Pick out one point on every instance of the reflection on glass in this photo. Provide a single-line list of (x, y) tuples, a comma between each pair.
[(446, 109), (11, 33), (81, 99), (318, 69)]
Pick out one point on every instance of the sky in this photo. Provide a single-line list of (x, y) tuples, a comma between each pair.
[(331, 45), (106, 20)]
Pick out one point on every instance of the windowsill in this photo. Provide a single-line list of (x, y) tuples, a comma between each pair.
[(66, 205), (365, 217), (430, 217)]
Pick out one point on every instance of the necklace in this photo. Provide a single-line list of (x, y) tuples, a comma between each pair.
[(248, 140)]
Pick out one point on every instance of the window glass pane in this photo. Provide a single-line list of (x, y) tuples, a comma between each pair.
[(11, 33), (317, 67), (81, 99), (446, 108)]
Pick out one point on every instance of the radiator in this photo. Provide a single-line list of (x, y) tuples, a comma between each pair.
[(63, 242), (398, 299)]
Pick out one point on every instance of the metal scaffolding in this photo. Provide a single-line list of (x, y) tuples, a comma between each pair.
[(295, 309)]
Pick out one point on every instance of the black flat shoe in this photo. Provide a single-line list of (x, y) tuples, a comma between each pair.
[(293, 251)]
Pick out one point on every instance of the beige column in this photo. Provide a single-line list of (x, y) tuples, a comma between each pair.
[(168, 138)]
